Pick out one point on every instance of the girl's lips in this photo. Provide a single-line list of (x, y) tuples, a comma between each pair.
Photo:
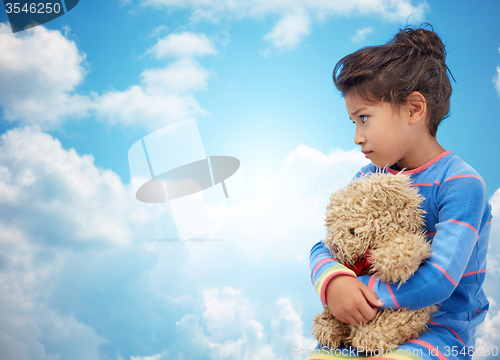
[(367, 153)]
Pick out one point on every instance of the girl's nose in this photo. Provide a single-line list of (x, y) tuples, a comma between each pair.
[(359, 138)]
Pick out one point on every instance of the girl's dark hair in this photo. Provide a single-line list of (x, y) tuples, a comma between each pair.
[(414, 60)]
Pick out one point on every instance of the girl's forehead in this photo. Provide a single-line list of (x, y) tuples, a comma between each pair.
[(353, 101), (355, 104)]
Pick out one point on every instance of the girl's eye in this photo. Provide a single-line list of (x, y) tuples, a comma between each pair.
[(363, 118)]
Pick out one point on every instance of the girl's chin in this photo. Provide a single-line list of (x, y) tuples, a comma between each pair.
[(382, 164)]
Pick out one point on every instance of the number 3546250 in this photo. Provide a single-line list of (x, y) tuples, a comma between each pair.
[(33, 8)]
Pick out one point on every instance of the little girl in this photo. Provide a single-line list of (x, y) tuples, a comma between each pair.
[(397, 94)]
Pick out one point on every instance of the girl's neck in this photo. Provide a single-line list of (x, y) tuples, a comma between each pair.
[(426, 151)]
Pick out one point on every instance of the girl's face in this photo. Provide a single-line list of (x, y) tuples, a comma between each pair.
[(384, 133)]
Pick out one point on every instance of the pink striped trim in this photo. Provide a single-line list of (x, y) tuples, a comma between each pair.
[(362, 173), (371, 282), (427, 184), (373, 357), (445, 274), (488, 223), (430, 347), (462, 223), (320, 255), (453, 331), (365, 358), (392, 296), (324, 254), (430, 234), (478, 310), (474, 272), (318, 265), (385, 357), (465, 176), (422, 167), (327, 280)]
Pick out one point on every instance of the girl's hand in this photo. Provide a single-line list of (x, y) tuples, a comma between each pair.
[(351, 301)]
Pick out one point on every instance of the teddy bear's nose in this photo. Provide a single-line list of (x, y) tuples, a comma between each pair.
[(335, 249)]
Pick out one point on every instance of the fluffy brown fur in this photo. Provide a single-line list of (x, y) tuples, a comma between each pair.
[(381, 213)]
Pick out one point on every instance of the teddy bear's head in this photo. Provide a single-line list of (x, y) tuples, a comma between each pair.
[(368, 211)]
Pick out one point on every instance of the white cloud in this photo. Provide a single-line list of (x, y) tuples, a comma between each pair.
[(224, 311), (164, 95), (183, 45), (61, 215), (157, 30), (360, 34), (43, 185), (154, 357), (296, 16), (495, 204), (288, 326), (39, 71), (493, 261), (289, 31), (488, 336), (230, 328), (139, 106), (31, 331), (178, 78), (388, 9), (496, 80), (235, 332)]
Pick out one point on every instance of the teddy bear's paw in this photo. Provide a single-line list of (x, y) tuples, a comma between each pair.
[(416, 321), (391, 328), (328, 330), (371, 338)]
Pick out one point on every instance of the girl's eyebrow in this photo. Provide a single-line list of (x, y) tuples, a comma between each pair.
[(357, 111)]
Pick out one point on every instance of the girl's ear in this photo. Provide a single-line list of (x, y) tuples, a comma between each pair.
[(417, 107)]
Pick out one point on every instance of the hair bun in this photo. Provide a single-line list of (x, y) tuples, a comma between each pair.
[(426, 42)]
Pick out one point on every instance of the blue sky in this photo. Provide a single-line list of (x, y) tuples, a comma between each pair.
[(79, 278)]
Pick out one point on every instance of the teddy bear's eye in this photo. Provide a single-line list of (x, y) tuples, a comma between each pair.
[(352, 232)]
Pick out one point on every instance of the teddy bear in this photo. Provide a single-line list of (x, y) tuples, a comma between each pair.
[(375, 227)]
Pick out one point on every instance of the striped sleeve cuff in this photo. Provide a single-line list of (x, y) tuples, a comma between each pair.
[(328, 274)]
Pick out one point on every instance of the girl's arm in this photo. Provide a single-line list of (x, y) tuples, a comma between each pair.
[(324, 268), (348, 299), (458, 248)]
